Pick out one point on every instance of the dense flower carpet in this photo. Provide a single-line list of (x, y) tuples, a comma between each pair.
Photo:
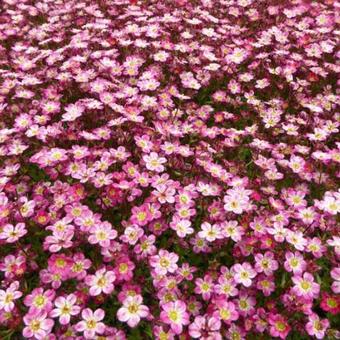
[(169, 169)]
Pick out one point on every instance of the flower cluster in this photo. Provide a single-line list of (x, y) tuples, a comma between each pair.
[(169, 169)]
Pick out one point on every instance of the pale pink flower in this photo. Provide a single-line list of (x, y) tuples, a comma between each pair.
[(165, 262), (210, 232), (316, 327), (305, 286), (132, 310), (102, 234), (243, 273), (175, 314), (154, 162), (38, 326), (295, 263), (101, 282), (65, 308), (8, 296), (91, 323), (12, 233), (181, 226)]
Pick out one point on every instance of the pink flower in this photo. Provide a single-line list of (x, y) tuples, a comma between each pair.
[(317, 327), (154, 162), (164, 262), (132, 310), (246, 303), (79, 266), (177, 159), (266, 263), (296, 239), (146, 246), (210, 232), (243, 273), (330, 303), (102, 234), (226, 287), (315, 247), (237, 200), (164, 194), (296, 163), (185, 272), (335, 274), (330, 204), (140, 215), (13, 266), (59, 240), (205, 326), (226, 311), (294, 263), (305, 286), (266, 285), (132, 234), (40, 300), (204, 287), (27, 207), (101, 282), (12, 233), (238, 55), (65, 308), (279, 327), (37, 325), (175, 315), (232, 229), (73, 111), (60, 264), (8, 296), (124, 269), (91, 323), (182, 227)]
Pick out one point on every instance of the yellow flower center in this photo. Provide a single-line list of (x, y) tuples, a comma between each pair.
[(332, 303), (305, 285), (123, 267), (101, 235), (243, 304), (205, 287), (65, 310), (9, 298), (60, 263), (163, 336), (77, 267), (76, 211), (280, 326), (141, 216), (101, 282), (265, 284), (235, 336), (224, 314), (41, 219), (23, 209), (91, 324), (244, 275), (265, 263), (173, 315), (39, 301), (35, 325), (133, 308), (164, 262), (294, 262), (317, 325)]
